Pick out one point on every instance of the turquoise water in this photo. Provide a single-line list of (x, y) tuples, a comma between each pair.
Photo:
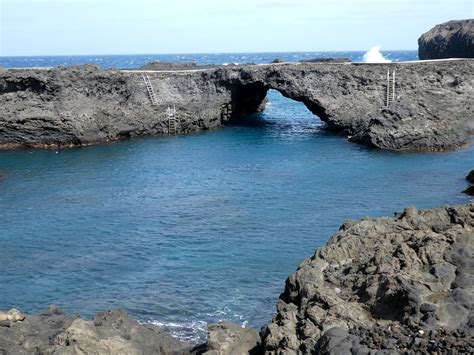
[(182, 231)]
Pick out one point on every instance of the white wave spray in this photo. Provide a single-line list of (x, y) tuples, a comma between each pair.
[(373, 55)]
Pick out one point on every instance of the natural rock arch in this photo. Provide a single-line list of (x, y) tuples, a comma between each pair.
[(251, 98), (83, 105)]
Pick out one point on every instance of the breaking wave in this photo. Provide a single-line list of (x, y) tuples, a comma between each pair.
[(373, 55)]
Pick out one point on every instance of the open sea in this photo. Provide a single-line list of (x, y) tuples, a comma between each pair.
[(184, 231)]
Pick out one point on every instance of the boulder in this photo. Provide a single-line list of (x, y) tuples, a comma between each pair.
[(453, 39), (13, 315), (231, 339)]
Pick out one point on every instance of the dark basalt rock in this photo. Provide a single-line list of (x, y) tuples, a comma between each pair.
[(176, 66), (470, 177), (76, 106), (327, 60), (157, 65), (390, 285), (470, 190), (453, 39)]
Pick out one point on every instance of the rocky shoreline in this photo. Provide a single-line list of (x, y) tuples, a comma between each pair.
[(112, 332), (400, 285), (83, 105), (384, 285)]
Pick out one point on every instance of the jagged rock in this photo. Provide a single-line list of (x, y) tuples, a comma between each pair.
[(404, 284), (452, 39), (84, 105), (231, 339), (111, 332)]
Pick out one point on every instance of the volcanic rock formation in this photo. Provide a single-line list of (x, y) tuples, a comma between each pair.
[(432, 107), (402, 284), (111, 332), (453, 39)]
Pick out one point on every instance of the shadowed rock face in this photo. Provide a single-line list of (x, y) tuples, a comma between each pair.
[(396, 284), (470, 177), (83, 105), (453, 39)]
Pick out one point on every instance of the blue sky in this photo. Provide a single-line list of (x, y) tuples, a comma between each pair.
[(55, 27)]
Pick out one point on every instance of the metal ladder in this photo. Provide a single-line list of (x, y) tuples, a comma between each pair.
[(149, 89), (390, 88), (172, 121)]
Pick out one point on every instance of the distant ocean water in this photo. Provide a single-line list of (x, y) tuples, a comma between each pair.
[(184, 231), (135, 61)]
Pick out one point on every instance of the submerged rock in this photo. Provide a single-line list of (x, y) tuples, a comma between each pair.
[(405, 284), (452, 39)]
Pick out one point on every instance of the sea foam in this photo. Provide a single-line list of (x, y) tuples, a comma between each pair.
[(373, 55)]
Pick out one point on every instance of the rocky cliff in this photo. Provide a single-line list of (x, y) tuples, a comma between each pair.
[(453, 39), (393, 284), (432, 107)]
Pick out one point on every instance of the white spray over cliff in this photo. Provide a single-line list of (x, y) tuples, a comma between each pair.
[(373, 55)]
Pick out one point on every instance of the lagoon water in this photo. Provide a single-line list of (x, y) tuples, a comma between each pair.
[(182, 231)]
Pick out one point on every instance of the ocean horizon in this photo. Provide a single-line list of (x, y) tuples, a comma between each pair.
[(137, 60)]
